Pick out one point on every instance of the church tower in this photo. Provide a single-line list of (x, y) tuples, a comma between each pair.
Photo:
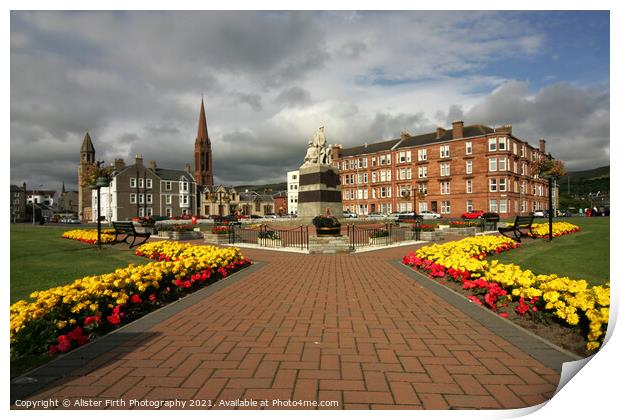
[(203, 162), (87, 158)]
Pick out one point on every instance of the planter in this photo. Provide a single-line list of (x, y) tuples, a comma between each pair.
[(215, 239), (328, 231), (271, 243), (431, 236), (180, 236)]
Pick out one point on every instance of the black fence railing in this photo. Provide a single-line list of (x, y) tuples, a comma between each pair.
[(270, 237), (382, 235)]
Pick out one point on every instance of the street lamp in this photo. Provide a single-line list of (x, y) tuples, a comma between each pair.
[(101, 182), (33, 207)]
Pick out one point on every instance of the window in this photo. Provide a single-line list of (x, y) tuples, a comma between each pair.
[(383, 192), (408, 173), (149, 183), (403, 173), (470, 206), (423, 188), (444, 151), (149, 211), (493, 205), (503, 205), (373, 162), (469, 186), (168, 199), (444, 187), (141, 183), (493, 184), (492, 164), (444, 169), (294, 176), (383, 160), (132, 182), (345, 165), (132, 198), (469, 166), (523, 169), (423, 206), (351, 164), (502, 164), (382, 174), (523, 150), (141, 198), (502, 143), (365, 162), (168, 185), (422, 171), (141, 212), (374, 177), (359, 163), (515, 167), (183, 186), (389, 175), (469, 148), (183, 200), (515, 148), (492, 145), (421, 154), (408, 155), (502, 184), (365, 177), (445, 207), (169, 211), (402, 158), (149, 199)]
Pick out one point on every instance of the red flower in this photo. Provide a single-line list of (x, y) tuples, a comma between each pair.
[(152, 297), (187, 284), (474, 299), (135, 299), (503, 314), (92, 319), (63, 346)]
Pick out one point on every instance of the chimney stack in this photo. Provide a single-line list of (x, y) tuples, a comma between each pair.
[(541, 145), (457, 129), (187, 168), (119, 164), (336, 151), (152, 164), (139, 160), (440, 132), (506, 129), (404, 135)]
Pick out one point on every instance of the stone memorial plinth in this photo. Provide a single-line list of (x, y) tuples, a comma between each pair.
[(319, 190), (328, 244)]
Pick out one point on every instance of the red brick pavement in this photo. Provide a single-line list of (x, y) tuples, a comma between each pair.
[(345, 328)]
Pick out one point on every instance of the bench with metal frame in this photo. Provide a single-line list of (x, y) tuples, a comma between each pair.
[(517, 229), (129, 230), (488, 221)]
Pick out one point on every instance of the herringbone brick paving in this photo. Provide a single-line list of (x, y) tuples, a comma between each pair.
[(346, 328)]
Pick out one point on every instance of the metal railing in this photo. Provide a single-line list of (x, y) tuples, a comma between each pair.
[(381, 235), (270, 237)]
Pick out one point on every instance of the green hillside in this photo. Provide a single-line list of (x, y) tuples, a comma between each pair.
[(584, 182)]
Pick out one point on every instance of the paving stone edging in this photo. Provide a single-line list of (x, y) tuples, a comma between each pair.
[(539, 348), (64, 364)]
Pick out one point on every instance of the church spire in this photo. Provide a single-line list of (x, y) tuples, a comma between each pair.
[(87, 145), (202, 134), (203, 158)]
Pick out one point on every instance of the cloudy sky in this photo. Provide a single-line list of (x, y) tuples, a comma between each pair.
[(134, 80)]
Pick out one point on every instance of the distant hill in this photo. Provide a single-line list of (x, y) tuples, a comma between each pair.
[(584, 182), (281, 186)]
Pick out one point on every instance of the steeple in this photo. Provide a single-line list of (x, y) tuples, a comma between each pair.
[(202, 135), (87, 145), (203, 168), (63, 187)]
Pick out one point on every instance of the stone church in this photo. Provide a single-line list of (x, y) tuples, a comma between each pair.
[(138, 190)]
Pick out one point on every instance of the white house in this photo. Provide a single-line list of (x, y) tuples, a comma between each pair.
[(292, 189)]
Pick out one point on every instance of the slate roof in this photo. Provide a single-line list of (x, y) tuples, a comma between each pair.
[(172, 174), (419, 140)]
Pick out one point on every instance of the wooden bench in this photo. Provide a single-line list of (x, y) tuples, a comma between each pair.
[(521, 223), (128, 229), (488, 221)]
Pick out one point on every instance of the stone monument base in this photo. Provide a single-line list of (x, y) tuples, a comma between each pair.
[(328, 244), (319, 190)]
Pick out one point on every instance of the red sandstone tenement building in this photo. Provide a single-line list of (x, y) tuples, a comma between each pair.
[(462, 169)]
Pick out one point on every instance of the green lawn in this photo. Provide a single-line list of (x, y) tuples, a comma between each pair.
[(581, 255), (41, 259)]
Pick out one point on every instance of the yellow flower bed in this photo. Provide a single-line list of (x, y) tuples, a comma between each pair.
[(90, 235), (108, 297), (573, 301)]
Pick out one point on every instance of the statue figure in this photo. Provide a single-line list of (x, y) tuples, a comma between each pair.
[(318, 153)]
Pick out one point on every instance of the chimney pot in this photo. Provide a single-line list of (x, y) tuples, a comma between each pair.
[(139, 160), (457, 129), (541, 145)]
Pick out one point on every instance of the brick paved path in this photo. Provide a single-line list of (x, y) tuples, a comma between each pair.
[(349, 328)]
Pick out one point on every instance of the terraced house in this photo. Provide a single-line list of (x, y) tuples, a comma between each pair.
[(139, 191), (452, 171)]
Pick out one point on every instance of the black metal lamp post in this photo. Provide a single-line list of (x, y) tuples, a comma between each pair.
[(550, 195), (101, 182)]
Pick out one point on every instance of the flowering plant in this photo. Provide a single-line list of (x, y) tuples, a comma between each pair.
[(89, 236), (174, 228), (464, 223), (573, 302), (94, 171), (68, 316), (220, 230)]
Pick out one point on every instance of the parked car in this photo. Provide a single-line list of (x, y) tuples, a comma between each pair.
[(271, 216), (73, 220), (377, 215), (427, 214), (474, 214), (349, 215), (539, 213)]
